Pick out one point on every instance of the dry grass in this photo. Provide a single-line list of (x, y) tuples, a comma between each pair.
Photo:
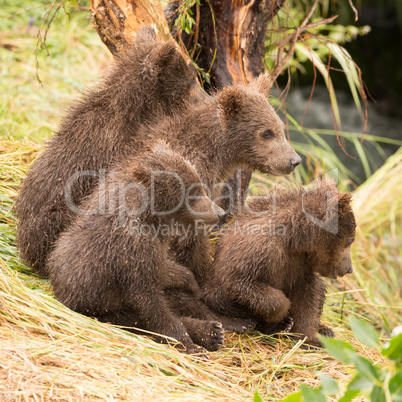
[(48, 352)]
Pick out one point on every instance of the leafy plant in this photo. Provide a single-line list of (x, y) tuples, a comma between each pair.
[(319, 43), (185, 20), (379, 384)]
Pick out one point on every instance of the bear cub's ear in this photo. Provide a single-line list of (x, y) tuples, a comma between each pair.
[(166, 54), (262, 84), (231, 100), (344, 202), (345, 199), (321, 199), (156, 61)]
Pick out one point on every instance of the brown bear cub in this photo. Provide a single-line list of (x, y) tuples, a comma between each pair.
[(269, 260), (113, 261), (149, 81), (236, 127)]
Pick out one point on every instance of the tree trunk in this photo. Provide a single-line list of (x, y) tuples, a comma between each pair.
[(231, 34), (117, 21), (235, 30)]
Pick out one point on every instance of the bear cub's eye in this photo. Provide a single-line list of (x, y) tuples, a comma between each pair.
[(350, 241), (196, 192), (267, 134)]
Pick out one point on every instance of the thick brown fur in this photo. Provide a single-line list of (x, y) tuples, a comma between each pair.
[(109, 263), (235, 127), (269, 261), (151, 80)]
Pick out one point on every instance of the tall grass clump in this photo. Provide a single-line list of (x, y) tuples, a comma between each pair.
[(378, 256)]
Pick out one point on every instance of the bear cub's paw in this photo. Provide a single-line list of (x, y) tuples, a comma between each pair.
[(211, 336), (278, 308), (275, 328), (239, 325), (286, 325), (326, 331)]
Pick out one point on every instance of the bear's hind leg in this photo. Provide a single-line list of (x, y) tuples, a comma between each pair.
[(186, 304), (148, 310), (306, 308)]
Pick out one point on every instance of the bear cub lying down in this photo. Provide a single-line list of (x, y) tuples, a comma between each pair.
[(113, 261), (269, 260)]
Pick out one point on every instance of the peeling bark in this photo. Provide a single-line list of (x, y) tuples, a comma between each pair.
[(117, 21), (238, 36)]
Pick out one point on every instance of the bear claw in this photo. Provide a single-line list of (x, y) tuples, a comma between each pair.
[(287, 324), (326, 331), (217, 336), (239, 325)]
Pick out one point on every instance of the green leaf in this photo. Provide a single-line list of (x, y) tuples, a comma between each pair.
[(314, 57), (360, 384), (365, 333), (341, 350), (385, 322), (312, 395), (362, 156), (257, 397), (378, 395), (394, 350), (328, 384), (349, 395), (349, 68), (395, 387), (295, 397), (367, 370)]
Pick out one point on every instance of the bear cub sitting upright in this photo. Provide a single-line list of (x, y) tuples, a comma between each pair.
[(113, 262), (269, 260), (146, 83)]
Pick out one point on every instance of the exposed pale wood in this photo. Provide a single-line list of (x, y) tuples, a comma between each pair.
[(117, 21)]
